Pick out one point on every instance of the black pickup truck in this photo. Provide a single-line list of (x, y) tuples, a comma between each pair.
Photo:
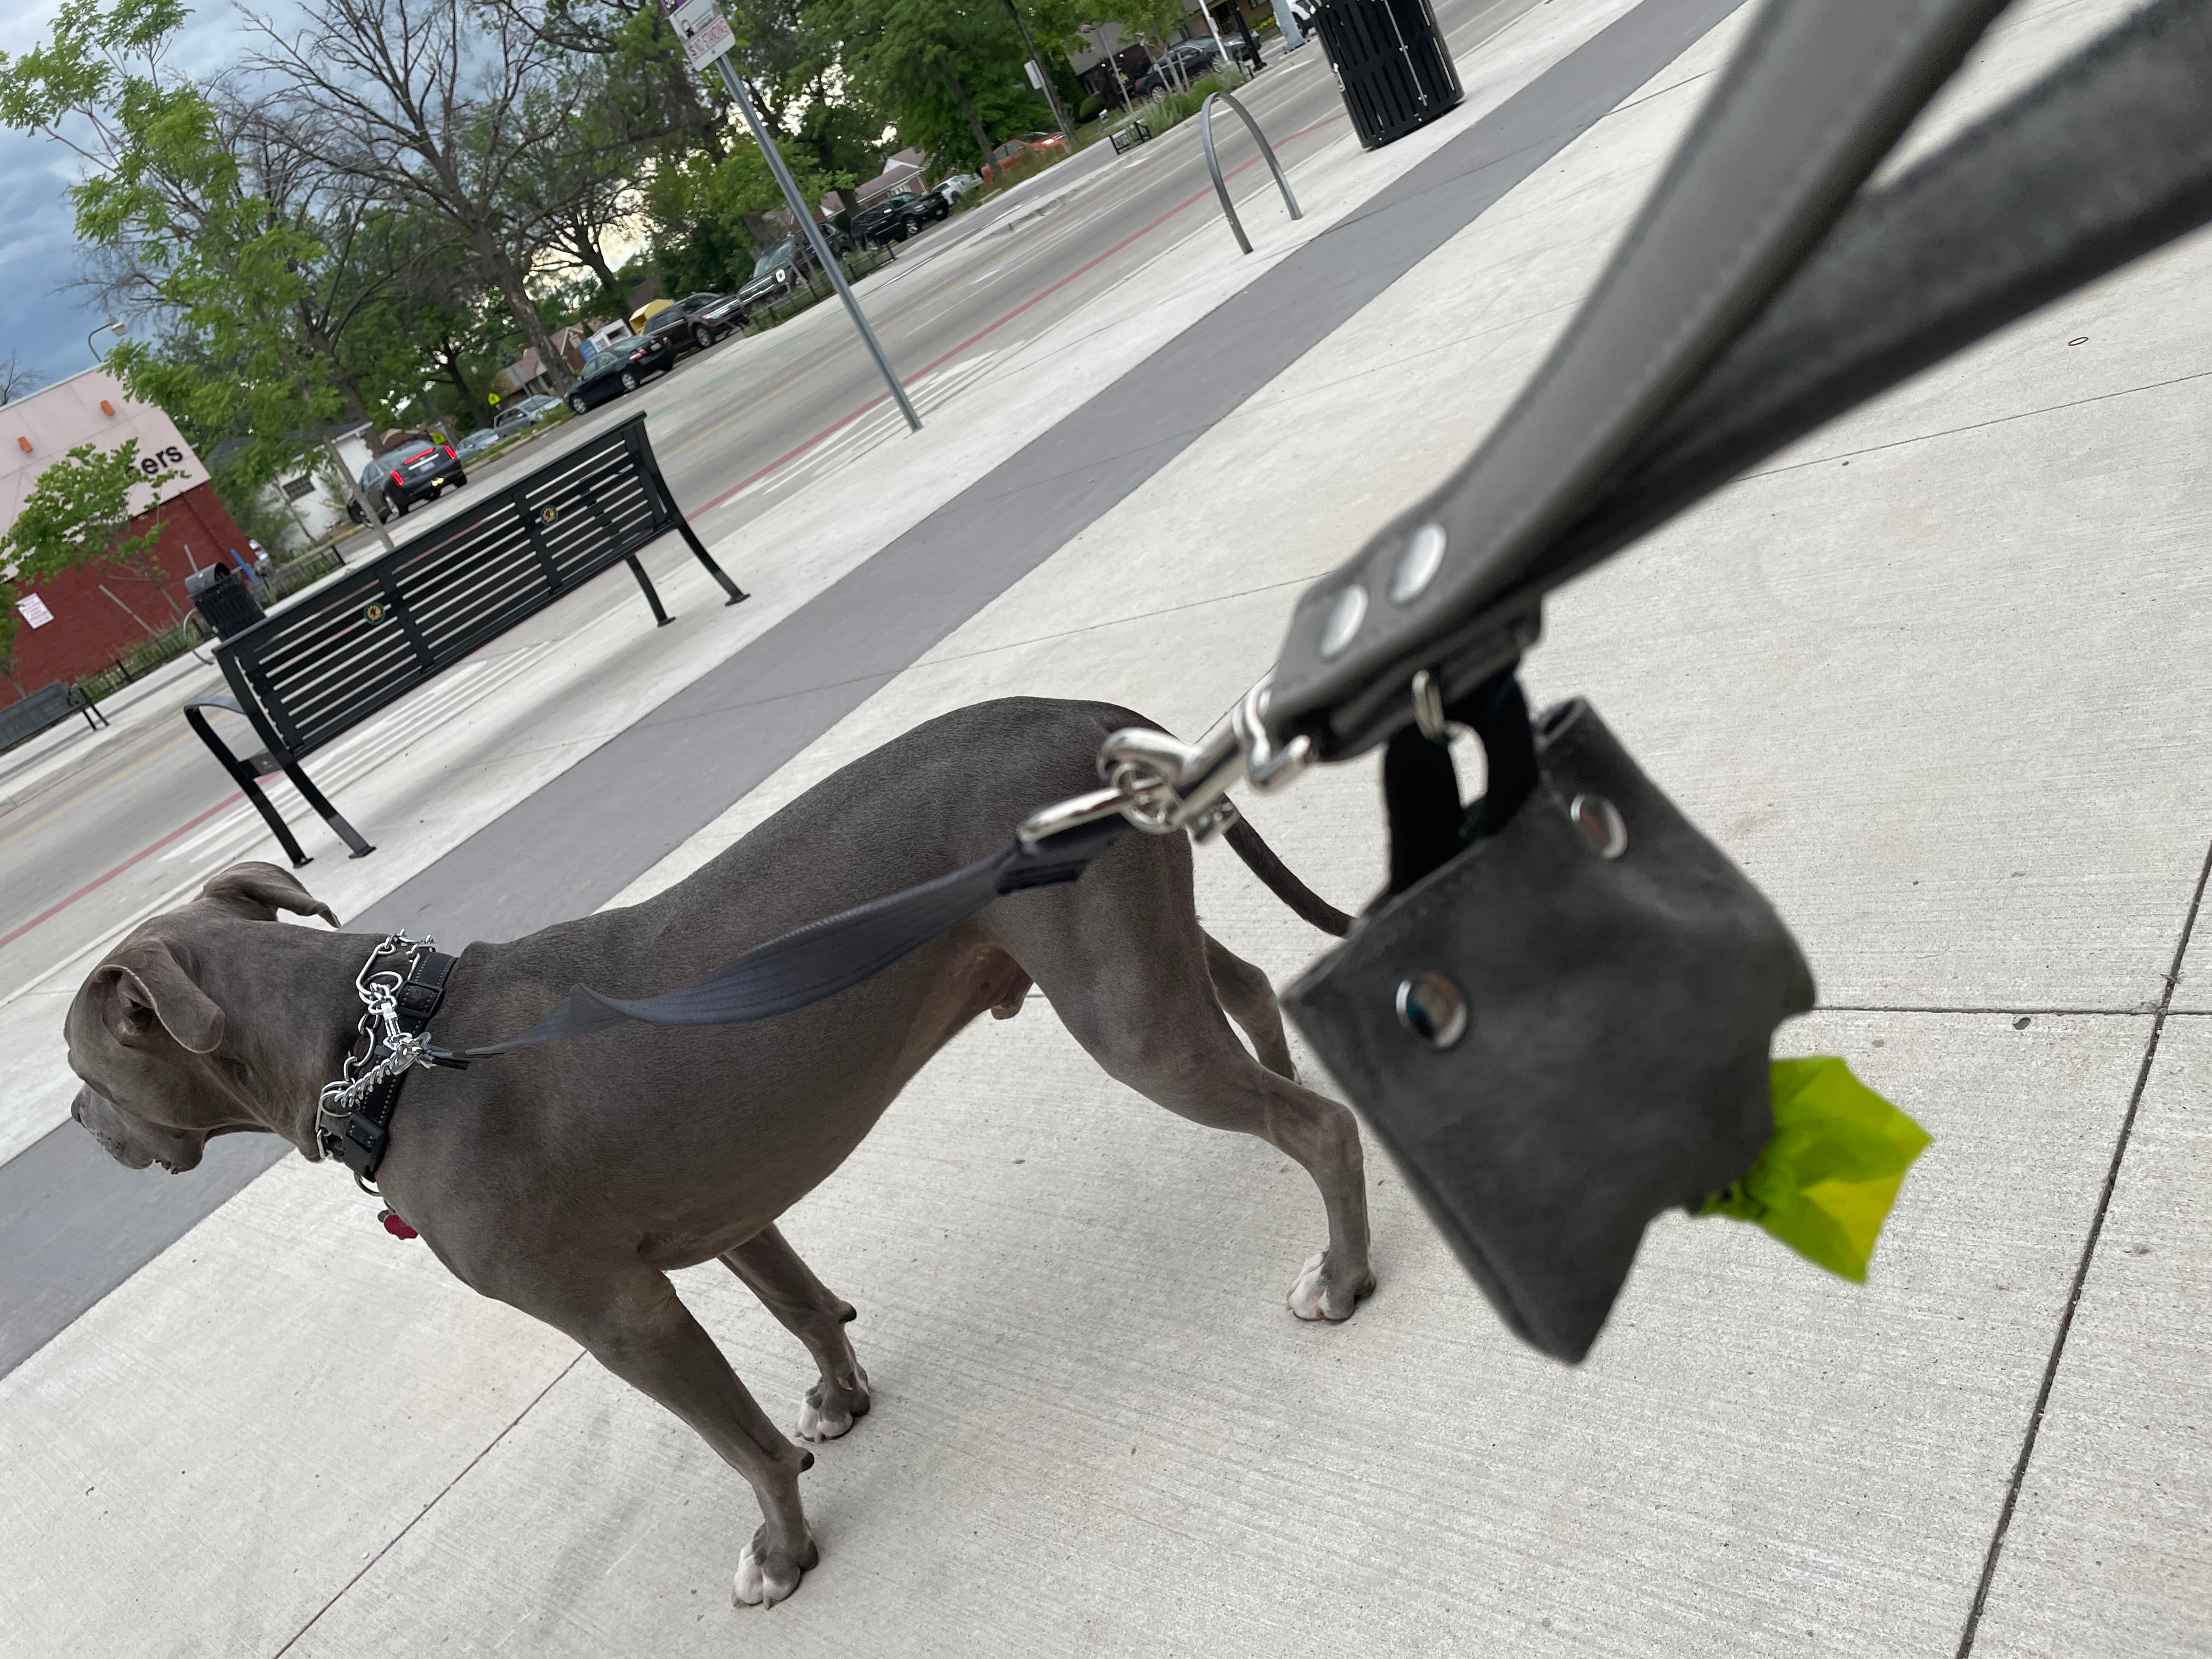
[(897, 216)]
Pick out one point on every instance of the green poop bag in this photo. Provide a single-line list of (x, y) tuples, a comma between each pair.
[(1825, 1183)]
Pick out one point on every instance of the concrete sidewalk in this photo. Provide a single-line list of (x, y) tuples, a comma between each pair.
[(1936, 676)]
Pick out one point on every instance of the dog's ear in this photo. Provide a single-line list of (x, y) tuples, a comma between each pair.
[(260, 890), (149, 987)]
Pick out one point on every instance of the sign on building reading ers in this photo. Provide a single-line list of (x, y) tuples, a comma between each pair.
[(705, 34)]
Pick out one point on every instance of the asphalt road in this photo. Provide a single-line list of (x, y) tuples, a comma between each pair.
[(736, 429)]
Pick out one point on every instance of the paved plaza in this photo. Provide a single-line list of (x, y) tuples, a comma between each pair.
[(1936, 676)]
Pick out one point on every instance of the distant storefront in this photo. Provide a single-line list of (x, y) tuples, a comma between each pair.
[(81, 621)]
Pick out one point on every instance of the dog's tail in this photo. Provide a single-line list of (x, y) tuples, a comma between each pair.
[(1260, 858)]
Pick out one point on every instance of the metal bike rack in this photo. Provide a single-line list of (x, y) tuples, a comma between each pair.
[(1213, 162)]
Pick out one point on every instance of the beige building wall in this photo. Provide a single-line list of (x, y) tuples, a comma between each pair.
[(36, 431)]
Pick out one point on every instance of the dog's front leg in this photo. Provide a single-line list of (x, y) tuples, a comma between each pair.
[(635, 1326)]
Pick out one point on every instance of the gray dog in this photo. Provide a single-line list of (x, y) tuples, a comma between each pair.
[(568, 1180)]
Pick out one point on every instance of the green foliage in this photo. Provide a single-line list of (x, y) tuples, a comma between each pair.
[(710, 221), (229, 275), (1173, 108), (77, 513), (947, 72)]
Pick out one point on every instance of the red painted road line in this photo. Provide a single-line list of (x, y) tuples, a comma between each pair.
[(97, 883), (1038, 298)]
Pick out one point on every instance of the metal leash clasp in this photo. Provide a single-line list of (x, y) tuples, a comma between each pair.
[(1163, 784), (377, 1029)]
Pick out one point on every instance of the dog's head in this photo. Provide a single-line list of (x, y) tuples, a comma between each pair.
[(147, 1034)]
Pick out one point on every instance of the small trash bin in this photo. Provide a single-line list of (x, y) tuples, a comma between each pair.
[(221, 595), (1391, 64)]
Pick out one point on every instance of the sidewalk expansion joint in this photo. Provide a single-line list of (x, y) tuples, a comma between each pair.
[(2082, 1271), (2140, 1010), (490, 1447), (1975, 426)]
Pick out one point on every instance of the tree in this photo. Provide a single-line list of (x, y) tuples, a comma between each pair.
[(433, 103), (939, 67), (78, 512), (237, 258), (582, 193), (634, 41), (15, 379)]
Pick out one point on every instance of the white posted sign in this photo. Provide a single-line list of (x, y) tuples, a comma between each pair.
[(703, 28), (33, 610)]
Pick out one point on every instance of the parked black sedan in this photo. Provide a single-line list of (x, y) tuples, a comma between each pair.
[(418, 471), (624, 367), (897, 216)]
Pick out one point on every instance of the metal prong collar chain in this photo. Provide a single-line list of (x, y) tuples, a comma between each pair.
[(379, 1029), (1163, 784)]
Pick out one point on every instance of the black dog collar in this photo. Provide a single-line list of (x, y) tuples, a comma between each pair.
[(360, 1145)]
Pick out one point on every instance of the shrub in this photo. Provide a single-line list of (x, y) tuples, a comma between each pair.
[(1172, 108)]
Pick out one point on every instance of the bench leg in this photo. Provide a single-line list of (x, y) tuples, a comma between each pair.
[(660, 618), (285, 839), (249, 784), (328, 814), (738, 595)]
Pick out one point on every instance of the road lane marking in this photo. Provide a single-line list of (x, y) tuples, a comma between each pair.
[(75, 800), (1033, 241), (1037, 298), (99, 882)]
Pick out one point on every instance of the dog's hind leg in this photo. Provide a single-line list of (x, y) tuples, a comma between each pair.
[(1250, 1001), (635, 1326), (788, 1289), (1125, 964)]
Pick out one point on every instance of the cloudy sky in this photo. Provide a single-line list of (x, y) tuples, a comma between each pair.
[(42, 320)]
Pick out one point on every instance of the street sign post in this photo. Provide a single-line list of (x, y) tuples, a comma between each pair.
[(707, 38), (705, 34)]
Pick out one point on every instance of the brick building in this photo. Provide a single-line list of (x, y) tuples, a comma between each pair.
[(82, 621)]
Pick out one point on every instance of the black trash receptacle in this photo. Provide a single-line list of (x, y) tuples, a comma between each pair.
[(221, 595), (1391, 62)]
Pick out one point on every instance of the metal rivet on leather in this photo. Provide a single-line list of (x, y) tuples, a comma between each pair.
[(1419, 564), (1431, 1008), (1343, 619), (1601, 823)]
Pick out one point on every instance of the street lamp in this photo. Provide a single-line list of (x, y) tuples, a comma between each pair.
[(120, 330)]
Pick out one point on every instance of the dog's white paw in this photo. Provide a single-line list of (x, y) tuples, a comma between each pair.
[(1321, 1293), (760, 1584), (825, 1414)]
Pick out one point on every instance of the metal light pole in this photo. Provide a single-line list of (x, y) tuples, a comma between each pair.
[(812, 232), (1044, 76)]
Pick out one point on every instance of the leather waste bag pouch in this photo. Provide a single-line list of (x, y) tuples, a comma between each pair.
[(1563, 1029)]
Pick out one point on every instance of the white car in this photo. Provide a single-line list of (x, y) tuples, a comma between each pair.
[(959, 185), (517, 417)]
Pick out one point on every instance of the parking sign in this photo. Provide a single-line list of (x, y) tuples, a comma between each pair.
[(703, 28)]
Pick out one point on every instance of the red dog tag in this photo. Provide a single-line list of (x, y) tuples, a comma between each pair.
[(395, 1226)]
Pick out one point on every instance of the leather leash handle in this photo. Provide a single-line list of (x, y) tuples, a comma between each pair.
[(2106, 158), (1815, 97)]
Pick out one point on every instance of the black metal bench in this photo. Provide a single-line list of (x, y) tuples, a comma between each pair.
[(317, 667), (43, 709), (1128, 136)]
